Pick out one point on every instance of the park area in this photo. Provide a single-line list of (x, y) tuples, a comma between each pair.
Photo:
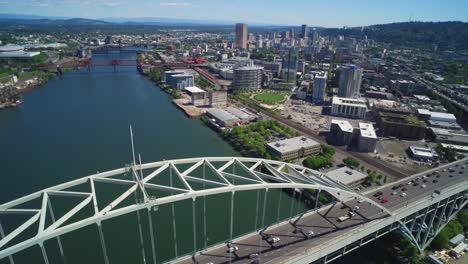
[(271, 98)]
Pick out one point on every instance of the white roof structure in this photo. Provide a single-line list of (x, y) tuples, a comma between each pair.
[(422, 152), (367, 130), (238, 113), (346, 175), (344, 125), (349, 101), (443, 117), (292, 144), (194, 89), (222, 115)]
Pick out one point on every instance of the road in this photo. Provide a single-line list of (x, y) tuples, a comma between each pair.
[(370, 161), (325, 224)]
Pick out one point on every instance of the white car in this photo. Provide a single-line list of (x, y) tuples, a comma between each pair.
[(394, 193), (233, 249), (403, 194), (423, 186), (275, 240), (310, 234)]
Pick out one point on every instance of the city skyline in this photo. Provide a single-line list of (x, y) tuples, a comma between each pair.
[(313, 13)]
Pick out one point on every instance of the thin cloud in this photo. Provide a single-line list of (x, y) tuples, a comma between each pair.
[(174, 4)]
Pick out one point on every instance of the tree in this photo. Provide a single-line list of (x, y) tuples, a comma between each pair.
[(351, 162)]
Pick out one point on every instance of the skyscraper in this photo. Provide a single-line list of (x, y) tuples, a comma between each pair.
[(320, 88), (289, 67), (350, 81), (241, 36), (304, 31)]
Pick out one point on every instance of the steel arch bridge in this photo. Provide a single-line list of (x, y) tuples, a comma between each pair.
[(258, 174)]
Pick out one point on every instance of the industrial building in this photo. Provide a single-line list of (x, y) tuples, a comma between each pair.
[(350, 81), (401, 126), (427, 115), (456, 137), (347, 176), (367, 140), (422, 154), (217, 98), (16, 51), (294, 148), (247, 78), (348, 107), (341, 132), (319, 91), (179, 79), (221, 118), (244, 116), (197, 95)]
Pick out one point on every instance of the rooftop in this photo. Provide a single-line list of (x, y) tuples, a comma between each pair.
[(422, 152), (292, 144), (346, 175), (349, 101), (194, 89), (222, 115), (367, 130), (344, 125)]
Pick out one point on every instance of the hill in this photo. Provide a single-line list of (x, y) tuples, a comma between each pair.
[(447, 35)]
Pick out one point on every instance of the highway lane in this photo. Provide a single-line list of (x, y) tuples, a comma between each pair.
[(325, 224)]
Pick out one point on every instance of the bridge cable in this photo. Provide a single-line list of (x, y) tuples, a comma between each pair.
[(194, 222), (140, 229), (103, 243), (279, 206), (256, 210), (59, 241), (44, 253), (204, 209), (153, 241), (174, 229), (2, 235)]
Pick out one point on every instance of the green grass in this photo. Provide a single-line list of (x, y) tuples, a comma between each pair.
[(270, 98)]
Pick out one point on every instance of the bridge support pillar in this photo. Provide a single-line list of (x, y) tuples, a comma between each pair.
[(430, 225), (2, 235)]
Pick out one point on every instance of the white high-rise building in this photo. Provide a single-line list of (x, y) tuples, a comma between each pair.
[(320, 88), (350, 81)]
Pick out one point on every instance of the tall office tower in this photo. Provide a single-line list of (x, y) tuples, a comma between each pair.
[(320, 88), (289, 65), (350, 81), (241, 36), (291, 33), (304, 31), (315, 37)]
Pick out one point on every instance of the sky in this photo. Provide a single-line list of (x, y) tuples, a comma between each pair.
[(331, 13)]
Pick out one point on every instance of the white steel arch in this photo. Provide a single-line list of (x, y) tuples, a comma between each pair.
[(275, 175)]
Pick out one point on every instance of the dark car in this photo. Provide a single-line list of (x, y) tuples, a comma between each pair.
[(435, 181), (378, 194)]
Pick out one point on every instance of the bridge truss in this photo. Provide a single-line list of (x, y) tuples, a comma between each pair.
[(176, 183)]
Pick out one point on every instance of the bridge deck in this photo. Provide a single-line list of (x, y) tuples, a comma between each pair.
[(325, 223)]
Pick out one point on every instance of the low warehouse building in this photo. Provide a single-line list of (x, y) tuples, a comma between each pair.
[(347, 176), (294, 148), (423, 154), (223, 118)]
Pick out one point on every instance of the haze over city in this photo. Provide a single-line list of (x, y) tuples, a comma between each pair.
[(313, 12)]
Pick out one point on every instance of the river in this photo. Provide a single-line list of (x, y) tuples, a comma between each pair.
[(77, 125)]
